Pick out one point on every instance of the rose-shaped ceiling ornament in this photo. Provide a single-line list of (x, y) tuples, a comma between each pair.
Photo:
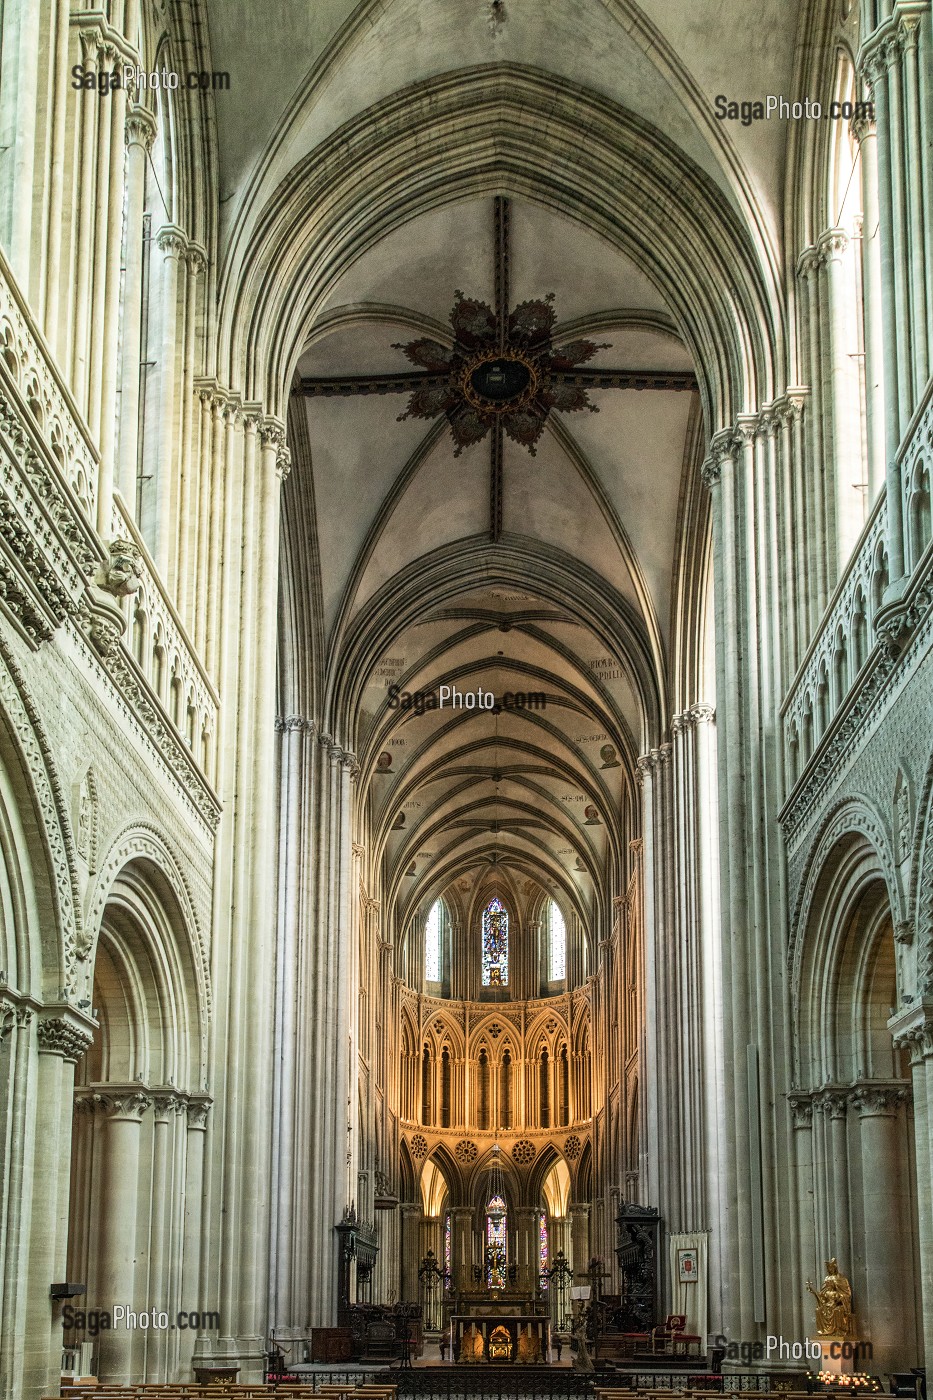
[(510, 373)]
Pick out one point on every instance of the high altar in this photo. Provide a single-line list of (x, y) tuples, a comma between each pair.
[(499, 1327)]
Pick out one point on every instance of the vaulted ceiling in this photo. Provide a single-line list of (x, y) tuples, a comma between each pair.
[(591, 550), (594, 586)]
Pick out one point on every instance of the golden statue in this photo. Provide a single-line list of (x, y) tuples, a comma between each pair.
[(529, 1345), (833, 1303), (471, 1344)]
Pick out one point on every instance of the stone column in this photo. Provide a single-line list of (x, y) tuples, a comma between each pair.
[(559, 1294), (19, 110), (894, 328), (833, 1104), (172, 243), (580, 1237), (62, 1039), (111, 162), (76, 366), (431, 1293), (912, 1029), (887, 1253), (462, 1247), (801, 1106), (526, 1247), (659, 1070), (140, 134), (166, 1104), (196, 263), (867, 134), (122, 1111), (848, 513), (411, 1241), (196, 1114)]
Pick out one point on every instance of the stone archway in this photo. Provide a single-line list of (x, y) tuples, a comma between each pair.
[(853, 1118), (138, 1136)]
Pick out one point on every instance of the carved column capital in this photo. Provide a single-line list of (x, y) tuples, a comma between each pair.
[(166, 1101), (832, 244), (271, 432), (141, 127), (833, 1102), (879, 1100), (789, 408), (196, 258), (801, 1107), (808, 262), (197, 1109), (294, 724), (912, 1029), (64, 1035), (172, 241), (722, 447), (123, 1102)]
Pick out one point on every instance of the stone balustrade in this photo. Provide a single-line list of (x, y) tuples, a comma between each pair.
[(163, 651), (33, 378), (840, 650)]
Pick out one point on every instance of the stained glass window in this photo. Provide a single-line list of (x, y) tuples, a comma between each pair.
[(542, 1247), (447, 1235), (495, 945), (432, 945), (495, 1242)]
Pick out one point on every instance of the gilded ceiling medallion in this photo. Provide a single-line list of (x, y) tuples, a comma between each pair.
[(504, 370)]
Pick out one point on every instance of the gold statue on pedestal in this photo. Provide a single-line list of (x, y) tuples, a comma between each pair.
[(833, 1303)]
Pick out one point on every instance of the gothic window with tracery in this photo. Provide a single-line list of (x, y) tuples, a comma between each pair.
[(432, 945), (542, 1247), (495, 1242), (557, 944), (447, 1237), (495, 945)]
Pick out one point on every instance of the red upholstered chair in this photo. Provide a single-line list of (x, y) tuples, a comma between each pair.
[(674, 1337), (664, 1339)]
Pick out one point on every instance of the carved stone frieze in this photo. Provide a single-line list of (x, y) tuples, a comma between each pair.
[(887, 669), (129, 683)]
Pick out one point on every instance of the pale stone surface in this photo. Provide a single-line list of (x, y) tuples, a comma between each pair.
[(219, 841)]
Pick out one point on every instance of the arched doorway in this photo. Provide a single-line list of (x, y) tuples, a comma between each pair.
[(853, 1116), (138, 1137)]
